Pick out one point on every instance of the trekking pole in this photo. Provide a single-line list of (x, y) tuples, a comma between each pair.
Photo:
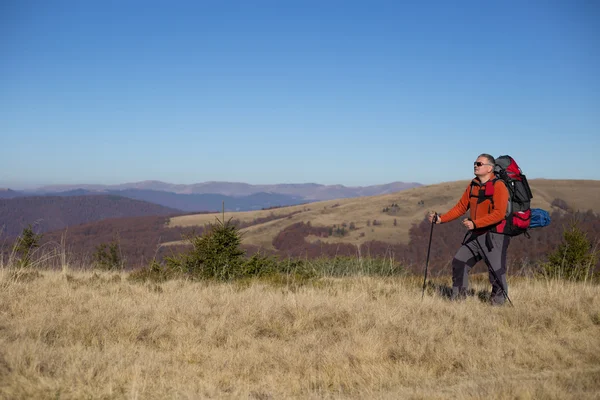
[(491, 269), (433, 221)]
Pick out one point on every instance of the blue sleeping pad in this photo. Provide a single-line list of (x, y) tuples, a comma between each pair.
[(539, 218)]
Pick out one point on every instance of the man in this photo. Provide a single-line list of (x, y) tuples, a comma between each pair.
[(487, 200)]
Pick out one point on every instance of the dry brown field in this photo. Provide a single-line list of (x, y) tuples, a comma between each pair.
[(84, 335)]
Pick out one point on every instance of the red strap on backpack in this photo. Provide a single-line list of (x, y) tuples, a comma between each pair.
[(489, 187)]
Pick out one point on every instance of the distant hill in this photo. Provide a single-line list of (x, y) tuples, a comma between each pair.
[(304, 191), (210, 201), (76, 192), (388, 218), (209, 196), (9, 194), (49, 213), (139, 238), (385, 225), (196, 202)]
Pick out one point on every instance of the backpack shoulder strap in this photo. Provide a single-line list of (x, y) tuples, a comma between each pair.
[(486, 191), (474, 185), (489, 184), (497, 178)]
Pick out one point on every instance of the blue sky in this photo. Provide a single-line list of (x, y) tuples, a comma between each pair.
[(354, 93)]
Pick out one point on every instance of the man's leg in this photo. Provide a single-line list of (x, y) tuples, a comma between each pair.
[(495, 248), (466, 257)]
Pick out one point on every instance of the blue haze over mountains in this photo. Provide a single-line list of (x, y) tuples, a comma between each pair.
[(209, 196)]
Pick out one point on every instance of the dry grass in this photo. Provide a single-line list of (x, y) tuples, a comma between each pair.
[(579, 194), (80, 335)]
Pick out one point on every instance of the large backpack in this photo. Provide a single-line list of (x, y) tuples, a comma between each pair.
[(518, 212)]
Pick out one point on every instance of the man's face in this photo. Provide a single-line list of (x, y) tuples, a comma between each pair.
[(482, 166)]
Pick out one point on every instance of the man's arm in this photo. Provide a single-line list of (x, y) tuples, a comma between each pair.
[(459, 209)]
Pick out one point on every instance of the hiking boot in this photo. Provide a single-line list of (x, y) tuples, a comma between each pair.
[(497, 297), (458, 294), (497, 300)]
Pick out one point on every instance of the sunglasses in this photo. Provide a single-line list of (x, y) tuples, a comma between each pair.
[(479, 164)]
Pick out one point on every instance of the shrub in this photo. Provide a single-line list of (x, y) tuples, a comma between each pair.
[(391, 209), (259, 265), (340, 231), (216, 254), (108, 256), (25, 244), (574, 258), (155, 272)]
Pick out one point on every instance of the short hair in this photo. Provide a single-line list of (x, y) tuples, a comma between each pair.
[(490, 158)]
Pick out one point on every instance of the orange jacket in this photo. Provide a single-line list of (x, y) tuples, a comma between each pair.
[(485, 211)]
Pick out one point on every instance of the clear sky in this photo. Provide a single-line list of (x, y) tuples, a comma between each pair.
[(348, 92)]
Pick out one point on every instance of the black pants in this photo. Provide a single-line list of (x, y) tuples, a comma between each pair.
[(492, 248)]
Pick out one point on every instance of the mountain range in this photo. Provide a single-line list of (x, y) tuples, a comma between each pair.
[(384, 225), (308, 191), (48, 213), (209, 196)]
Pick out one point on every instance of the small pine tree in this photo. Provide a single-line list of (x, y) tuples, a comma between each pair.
[(574, 258), (26, 243), (215, 255), (108, 256)]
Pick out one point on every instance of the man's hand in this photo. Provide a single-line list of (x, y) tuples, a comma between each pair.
[(468, 224), (432, 215)]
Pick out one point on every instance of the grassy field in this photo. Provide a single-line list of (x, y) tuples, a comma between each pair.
[(412, 207), (75, 335)]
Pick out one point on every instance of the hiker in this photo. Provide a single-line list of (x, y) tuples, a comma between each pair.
[(487, 199)]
